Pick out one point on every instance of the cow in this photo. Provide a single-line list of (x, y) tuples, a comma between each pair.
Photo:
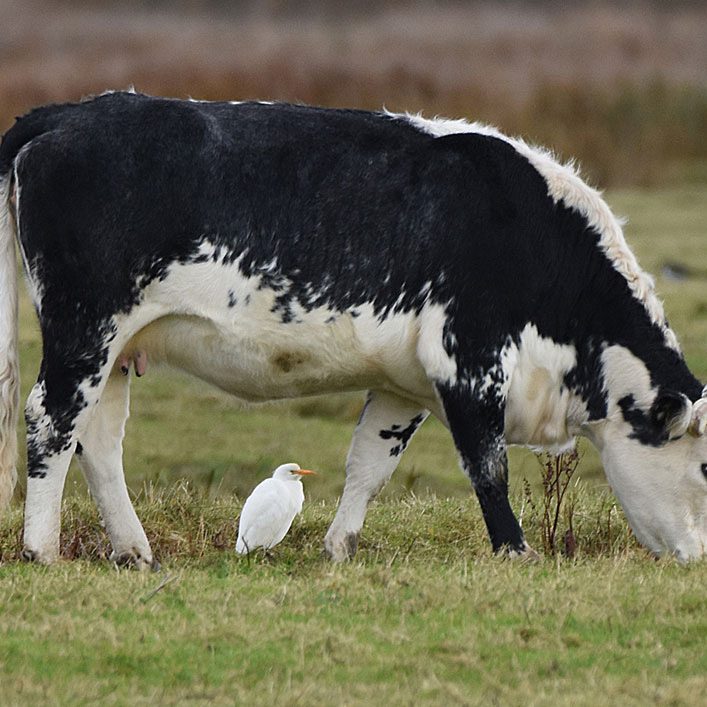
[(277, 250)]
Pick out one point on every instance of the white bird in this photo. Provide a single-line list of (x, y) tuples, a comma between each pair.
[(269, 511)]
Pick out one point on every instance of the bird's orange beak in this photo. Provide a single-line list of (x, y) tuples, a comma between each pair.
[(305, 471)]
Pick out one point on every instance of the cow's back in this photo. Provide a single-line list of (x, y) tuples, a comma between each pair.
[(353, 207)]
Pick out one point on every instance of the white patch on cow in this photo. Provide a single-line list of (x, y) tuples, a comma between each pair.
[(698, 423), (369, 465), (35, 410), (440, 366), (191, 99), (564, 184), (661, 489), (540, 410), (102, 464), (249, 350), (110, 92), (625, 374)]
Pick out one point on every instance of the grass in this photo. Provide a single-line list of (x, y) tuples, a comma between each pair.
[(425, 614)]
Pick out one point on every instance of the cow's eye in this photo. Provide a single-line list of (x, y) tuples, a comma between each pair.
[(704, 469)]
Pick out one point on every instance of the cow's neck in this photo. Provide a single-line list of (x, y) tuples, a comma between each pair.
[(541, 409), (558, 390)]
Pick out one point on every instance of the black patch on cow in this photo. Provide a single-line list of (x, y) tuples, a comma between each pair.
[(652, 427), (646, 427), (283, 307), (79, 448), (476, 423), (587, 378), (501, 523), (232, 299), (402, 435)]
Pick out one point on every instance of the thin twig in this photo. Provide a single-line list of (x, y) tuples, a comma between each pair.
[(167, 580)]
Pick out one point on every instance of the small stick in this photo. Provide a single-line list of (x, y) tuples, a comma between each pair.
[(169, 578)]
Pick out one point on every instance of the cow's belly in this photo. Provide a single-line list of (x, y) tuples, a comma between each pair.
[(261, 360), (244, 335)]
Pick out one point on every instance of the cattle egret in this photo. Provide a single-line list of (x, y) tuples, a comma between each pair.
[(269, 511)]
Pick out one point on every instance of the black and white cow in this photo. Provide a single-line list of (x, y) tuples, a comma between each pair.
[(277, 251)]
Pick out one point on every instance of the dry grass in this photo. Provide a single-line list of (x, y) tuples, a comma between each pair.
[(186, 525)]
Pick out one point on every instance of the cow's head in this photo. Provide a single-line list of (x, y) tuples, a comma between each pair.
[(656, 462)]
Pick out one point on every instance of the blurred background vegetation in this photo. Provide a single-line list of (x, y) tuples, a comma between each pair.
[(619, 86)]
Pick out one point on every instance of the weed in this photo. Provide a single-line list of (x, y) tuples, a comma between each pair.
[(557, 472)]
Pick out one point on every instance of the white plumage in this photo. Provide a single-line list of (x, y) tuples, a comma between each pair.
[(269, 511)]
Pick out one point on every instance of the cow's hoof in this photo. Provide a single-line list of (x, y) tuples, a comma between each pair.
[(341, 549), (133, 559), (37, 557), (29, 555), (526, 555)]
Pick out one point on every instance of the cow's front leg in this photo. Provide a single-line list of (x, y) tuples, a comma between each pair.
[(386, 425), (476, 424), (100, 457)]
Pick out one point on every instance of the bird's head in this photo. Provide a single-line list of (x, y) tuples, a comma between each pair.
[(291, 472)]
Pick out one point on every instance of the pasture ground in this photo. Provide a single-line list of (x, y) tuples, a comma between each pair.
[(424, 615)]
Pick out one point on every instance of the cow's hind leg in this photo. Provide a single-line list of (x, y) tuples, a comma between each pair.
[(75, 366), (386, 425), (476, 422), (100, 456), (50, 446), (58, 406)]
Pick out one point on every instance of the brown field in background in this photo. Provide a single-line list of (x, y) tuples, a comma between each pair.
[(621, 87)]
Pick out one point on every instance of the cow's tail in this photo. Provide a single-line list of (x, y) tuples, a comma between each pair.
[(9, 360)]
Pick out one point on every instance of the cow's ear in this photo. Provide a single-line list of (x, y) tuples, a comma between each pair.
[(671, 412)]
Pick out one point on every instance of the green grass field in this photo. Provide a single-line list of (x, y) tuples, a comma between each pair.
[(424, 615)]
